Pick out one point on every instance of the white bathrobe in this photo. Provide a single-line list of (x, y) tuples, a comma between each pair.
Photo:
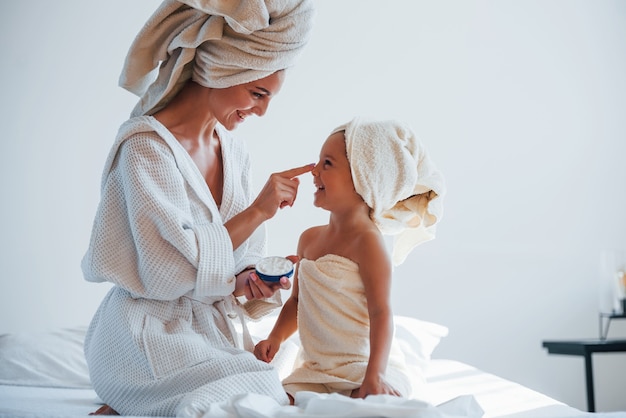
[(162, 340)]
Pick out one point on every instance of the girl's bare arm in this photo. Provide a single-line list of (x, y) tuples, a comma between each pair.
[(375, 270), (287, 322)]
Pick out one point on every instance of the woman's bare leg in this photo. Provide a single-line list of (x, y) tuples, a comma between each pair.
[(105, 410)]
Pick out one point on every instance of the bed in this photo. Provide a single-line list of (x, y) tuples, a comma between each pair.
[(45, 375)]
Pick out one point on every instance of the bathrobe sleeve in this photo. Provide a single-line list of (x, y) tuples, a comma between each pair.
[(153, 235)]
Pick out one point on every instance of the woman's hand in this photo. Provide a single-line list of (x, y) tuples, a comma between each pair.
[(250, 285), (259, 289), (280, 190)]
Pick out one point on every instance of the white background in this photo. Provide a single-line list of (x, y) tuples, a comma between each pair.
[(522, 105)]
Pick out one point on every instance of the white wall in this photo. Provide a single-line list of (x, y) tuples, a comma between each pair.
[(522, 105)]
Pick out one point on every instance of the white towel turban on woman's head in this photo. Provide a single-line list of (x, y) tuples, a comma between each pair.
[(218, 43), (396, 178)]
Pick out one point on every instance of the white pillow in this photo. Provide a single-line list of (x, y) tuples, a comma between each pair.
[(418, 339), (56, 358), (50, 359)]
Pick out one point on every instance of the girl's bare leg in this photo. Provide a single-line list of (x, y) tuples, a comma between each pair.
[(105, 410)]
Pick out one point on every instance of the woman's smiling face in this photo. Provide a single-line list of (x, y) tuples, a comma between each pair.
[(232, 105)]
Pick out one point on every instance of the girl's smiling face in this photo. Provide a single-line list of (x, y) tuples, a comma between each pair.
[(232, 105), (332, 176)]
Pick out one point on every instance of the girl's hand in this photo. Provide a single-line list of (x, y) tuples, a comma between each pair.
[(374, 386), (266, 350)]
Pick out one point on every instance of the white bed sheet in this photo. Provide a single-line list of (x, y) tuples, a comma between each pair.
[(45, 375), (497, 396), (447, 379)]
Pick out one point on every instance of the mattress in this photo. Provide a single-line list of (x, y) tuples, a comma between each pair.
[(45, 375), (446, 380)]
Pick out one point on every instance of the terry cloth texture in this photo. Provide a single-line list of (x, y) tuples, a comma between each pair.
[(335, 331), (163, 337), (219, 43), (394, 175)]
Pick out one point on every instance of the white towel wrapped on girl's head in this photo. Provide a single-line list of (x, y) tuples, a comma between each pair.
[(394, 175)]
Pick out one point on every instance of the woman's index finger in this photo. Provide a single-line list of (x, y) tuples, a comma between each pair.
[(295, 172)]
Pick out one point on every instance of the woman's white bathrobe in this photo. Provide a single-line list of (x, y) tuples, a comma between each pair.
[(162, 340)]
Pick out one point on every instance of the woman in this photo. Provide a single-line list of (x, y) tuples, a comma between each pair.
[(177, 230)]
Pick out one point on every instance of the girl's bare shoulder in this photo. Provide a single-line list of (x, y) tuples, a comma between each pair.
[(313, 231), (369, 246), (310, 237)]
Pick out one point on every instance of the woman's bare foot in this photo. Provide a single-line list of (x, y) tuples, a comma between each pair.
[(105, 410)]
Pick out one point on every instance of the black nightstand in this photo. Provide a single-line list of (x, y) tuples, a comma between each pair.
[(586, 348)]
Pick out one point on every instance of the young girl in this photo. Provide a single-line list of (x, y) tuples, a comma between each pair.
[(374, 178)]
